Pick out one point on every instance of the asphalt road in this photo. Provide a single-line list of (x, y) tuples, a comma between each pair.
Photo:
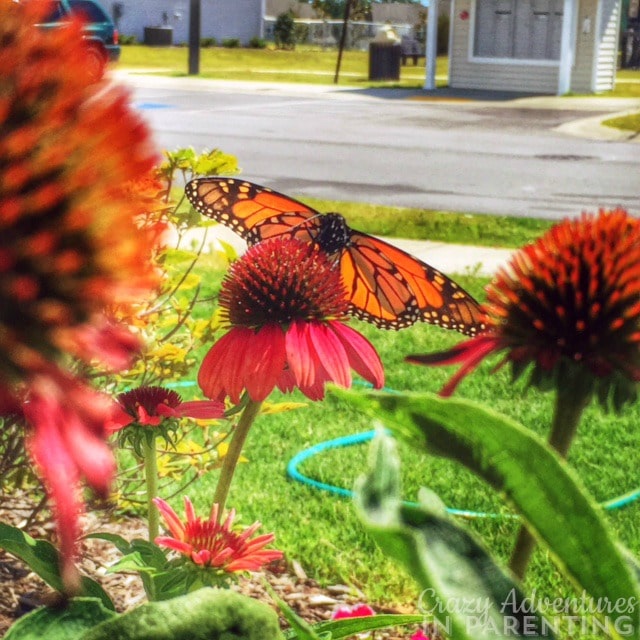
[(394, 148)]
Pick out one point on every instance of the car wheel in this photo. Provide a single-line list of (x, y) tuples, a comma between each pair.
[(95, 62)]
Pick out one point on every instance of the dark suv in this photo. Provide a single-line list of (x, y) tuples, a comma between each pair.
[(99, 30)]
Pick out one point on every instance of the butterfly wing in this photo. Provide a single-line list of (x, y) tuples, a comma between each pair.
[(385, 285), (255, 213), (393, 290)]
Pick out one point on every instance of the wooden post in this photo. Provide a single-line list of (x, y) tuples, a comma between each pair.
[(343, 39)]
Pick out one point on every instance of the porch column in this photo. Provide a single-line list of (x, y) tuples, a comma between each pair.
[(431, 50), (567, 45)]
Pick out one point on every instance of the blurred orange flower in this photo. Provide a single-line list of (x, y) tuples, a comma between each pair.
[(70, 248)]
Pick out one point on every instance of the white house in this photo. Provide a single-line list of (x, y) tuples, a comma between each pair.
[(538, 46), (220, 19)]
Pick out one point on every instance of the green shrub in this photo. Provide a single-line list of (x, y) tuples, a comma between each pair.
[(231, 43), (127, 40), (208, 42), (257, 43), (443, 35), (284, 31)]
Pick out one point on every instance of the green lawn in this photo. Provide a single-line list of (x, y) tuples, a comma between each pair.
[(629, 122), (302, 65), (441, 226), (322, 532)]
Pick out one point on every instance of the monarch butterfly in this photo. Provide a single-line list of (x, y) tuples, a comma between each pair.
[(385, 285)]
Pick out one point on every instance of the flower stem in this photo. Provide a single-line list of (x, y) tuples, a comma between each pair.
[(571, 401), (151, 479), (230, 461)]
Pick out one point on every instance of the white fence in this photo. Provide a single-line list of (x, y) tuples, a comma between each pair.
[(326, 33)]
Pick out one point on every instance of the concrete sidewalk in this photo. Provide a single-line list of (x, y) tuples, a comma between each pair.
[(448, 258)]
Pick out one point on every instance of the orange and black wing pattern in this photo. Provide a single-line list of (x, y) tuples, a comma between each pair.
[(385, 285), (392, 289), (255, 213)]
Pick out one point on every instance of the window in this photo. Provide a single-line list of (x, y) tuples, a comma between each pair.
[(89, 10), (520, 29)]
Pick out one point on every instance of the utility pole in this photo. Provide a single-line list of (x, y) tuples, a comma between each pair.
[(194, 37), (343, 38)]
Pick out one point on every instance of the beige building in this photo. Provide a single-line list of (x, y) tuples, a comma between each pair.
[(538, 46)]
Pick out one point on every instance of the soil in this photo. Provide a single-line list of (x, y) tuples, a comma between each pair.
[(21, 590)]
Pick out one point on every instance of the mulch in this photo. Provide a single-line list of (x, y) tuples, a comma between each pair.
[(21, 590)]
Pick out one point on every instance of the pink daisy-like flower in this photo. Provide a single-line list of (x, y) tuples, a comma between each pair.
[(285, 303), (149, 406), (214, 544)]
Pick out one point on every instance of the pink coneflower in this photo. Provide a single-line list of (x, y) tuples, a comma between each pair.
[(286, 305), (214, 544), (566, 308), (567, 305), (70, 249), (149, 406)]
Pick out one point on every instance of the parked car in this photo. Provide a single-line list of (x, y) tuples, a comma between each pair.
[(99, 31)]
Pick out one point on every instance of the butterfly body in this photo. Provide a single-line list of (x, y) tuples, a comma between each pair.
[(385, 285)]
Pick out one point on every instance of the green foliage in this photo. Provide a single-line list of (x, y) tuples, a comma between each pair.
[(527, 472), (257, 43), (284, 31), (444, 226), (448, 563), (125, 40), (206, 614), (629, 122), (338, 629), (208, 42), (443, 34), (68, 622), (231, 43), (44, 560), (15, 468)]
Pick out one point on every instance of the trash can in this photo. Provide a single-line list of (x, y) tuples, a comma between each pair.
[(158, 36), (384, 61)]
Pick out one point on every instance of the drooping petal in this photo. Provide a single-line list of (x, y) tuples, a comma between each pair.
[(469, 353), (199, 409), (49, 453), (221, 369), (331, 353), (265, 363), (299, 355), (363, 357)]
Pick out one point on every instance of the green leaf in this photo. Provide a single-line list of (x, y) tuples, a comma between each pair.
[(300, 629), (160, 578), (531, 476), (206, 614), (350, 626), (44, 560), (446, 560), (58, 623)]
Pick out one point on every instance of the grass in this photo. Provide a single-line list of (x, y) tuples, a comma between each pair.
[(323, 532), (305, 65), (441, 226), (630, 122), (300, 65)]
